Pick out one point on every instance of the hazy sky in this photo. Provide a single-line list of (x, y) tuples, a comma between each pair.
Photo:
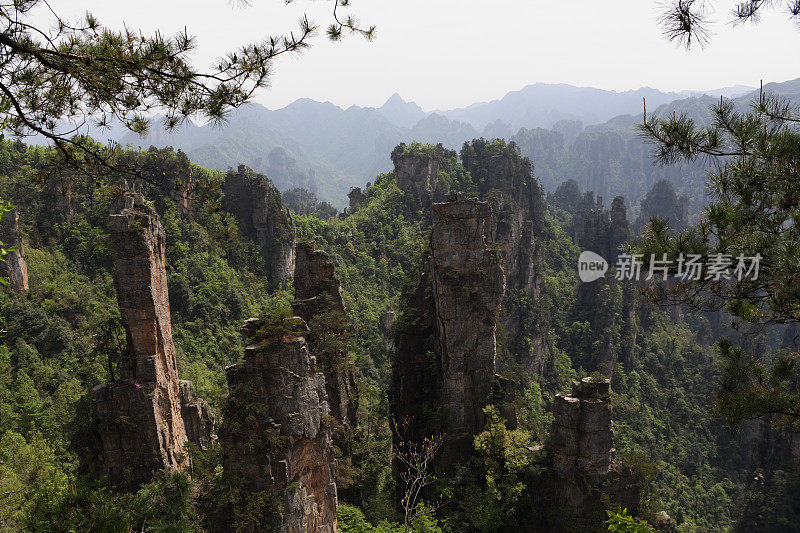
[(450, 53)]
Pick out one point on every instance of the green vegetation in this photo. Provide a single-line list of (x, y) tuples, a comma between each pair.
[(63, 338)]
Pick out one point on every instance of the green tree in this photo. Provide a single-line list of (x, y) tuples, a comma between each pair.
[(52, 83), (687, 21), (749, 229)]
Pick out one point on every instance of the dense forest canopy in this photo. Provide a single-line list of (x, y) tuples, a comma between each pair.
[(215, 349)]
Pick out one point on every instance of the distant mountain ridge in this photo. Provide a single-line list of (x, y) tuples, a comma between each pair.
[(328, 149)]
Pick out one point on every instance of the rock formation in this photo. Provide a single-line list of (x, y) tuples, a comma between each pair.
[(417, 171), (662, 202), (468, 288), (13, 267), (444, 347), (259, 210), (355, 198), (140, 415), (582, 435), (605, 232), (587, 477), (276, 437), (198, 420), (318, 301), (505, 180)]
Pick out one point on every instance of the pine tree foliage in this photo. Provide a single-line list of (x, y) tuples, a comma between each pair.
[(54, 82)]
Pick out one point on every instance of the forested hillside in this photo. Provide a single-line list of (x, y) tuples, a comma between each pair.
[(680, 467)]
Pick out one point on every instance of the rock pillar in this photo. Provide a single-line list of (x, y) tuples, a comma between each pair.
[(276, 437), (13, 267), (468, 288), (140, 415)]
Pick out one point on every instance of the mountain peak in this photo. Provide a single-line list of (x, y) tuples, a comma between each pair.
[(401, 113), (394, 100)]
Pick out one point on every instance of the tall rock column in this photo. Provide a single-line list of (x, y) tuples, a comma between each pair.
[(318, 301), (139, 415), (262, 216), (275, 437), (13, 266), (587, 480), (468, 288)]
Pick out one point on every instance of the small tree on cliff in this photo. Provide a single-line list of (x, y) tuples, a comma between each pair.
[(53, 82), (754, 211)]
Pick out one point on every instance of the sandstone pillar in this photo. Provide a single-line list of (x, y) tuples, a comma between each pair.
[(275, 437), (468, 288), (13, 267), (139, 416), (318, 301), (262, 216)]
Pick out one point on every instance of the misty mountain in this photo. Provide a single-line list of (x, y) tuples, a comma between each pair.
[(569, 132), (401, 113)]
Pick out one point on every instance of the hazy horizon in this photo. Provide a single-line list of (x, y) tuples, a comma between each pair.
[(453, 53)]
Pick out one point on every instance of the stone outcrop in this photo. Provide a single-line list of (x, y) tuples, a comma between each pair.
[(505, 180), (318, 300), (198, 419), (587, 479), (275, 437), (583, 439), (140, 415), (468, 288), (662, 202), (355, 198), (146, 417), (259, 210), (605, 232), (417, 171), (13, 266)]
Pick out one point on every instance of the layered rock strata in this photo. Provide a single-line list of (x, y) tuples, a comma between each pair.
[(139, 416), (259, 210), (318, 300), (13, 266), (275, 437), (586, 475), (468, 288)]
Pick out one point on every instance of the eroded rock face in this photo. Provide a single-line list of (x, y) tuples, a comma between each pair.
[(275, 436), (13, 267), (586, 475), (468, 288), (583, 439), (506, 181), (198, 419), (140, 415), (318, 300), (259, 210), (605, 232), (417, 172), (662, 202)]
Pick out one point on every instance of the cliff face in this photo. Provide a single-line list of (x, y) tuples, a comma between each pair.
[(518, 226), (140, 415), (662, 202), (276, 437), (586, 477), (604, 232), (13, 266), (416, 174), (259, 210), (468, 288), (318, 301)]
